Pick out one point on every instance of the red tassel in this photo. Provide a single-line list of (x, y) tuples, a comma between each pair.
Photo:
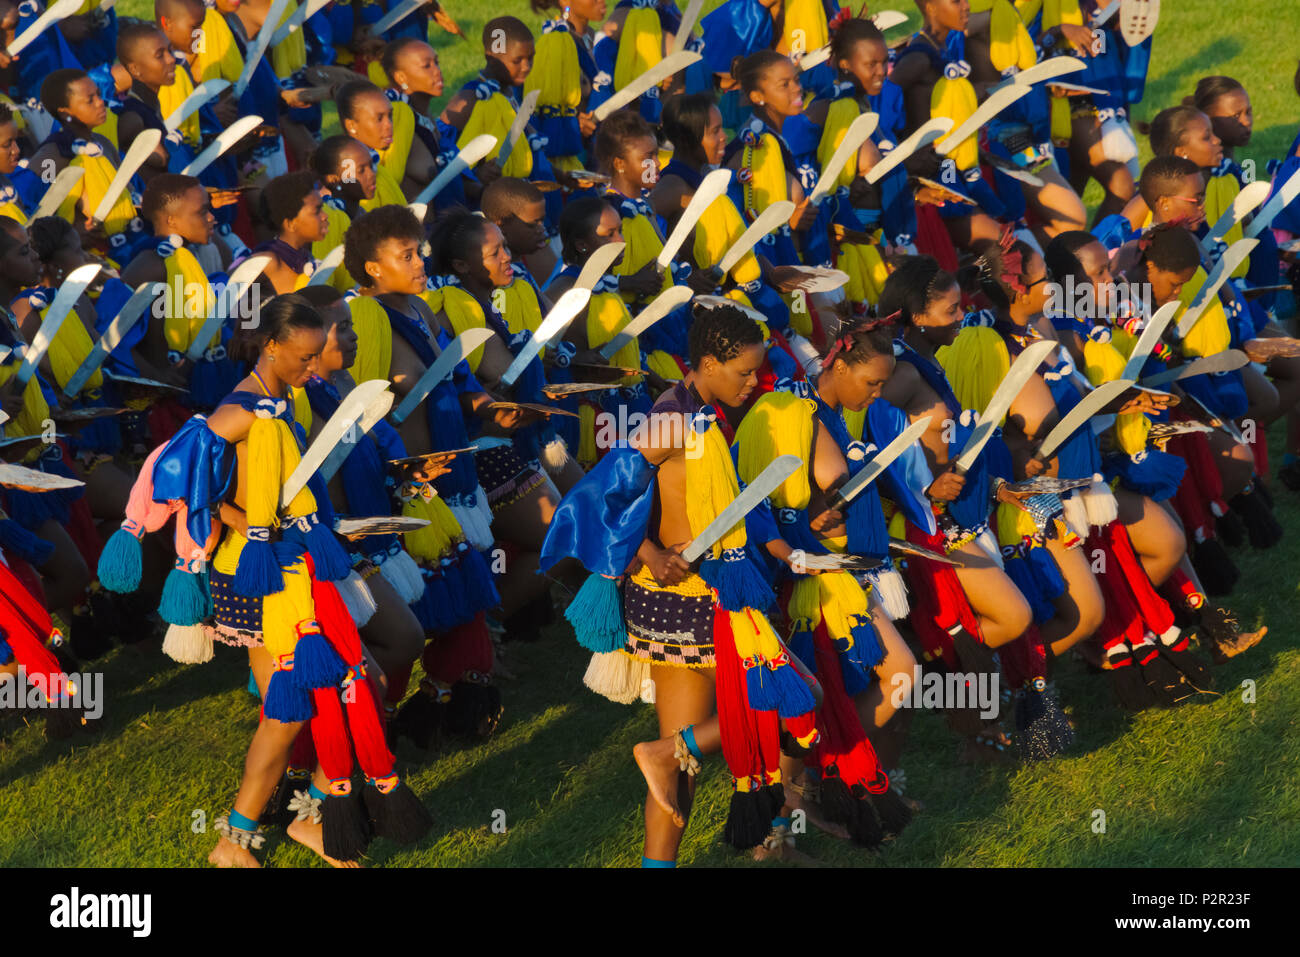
[(164, 420), (741, 745), (26, 625), (843, 742), (938, 601), (932, 238), (1024, 659), (466, 647), (1155, 611), (302, 757)]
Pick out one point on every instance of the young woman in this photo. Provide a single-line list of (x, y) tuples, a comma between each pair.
[(421, 143), (292, 208), (347, 176), (564, 71)]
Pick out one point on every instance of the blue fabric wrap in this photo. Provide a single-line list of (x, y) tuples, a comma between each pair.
[(29, 185), (1137, 61), (446, 419), (1035, 573), (602, 521), (1105, 70), (777, 246), (26, 545), (865, 522), (47, 53), (111, 299), (734, 29), (100, 44), (1114, 231), (1223, 393), (1078, 456), (197, 466), (1156, 475), (908, 476), (970, 509), (1288, 216)]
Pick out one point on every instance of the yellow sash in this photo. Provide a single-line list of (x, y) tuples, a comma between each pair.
[(494, 116), (388, 191), (189, 300), (171, 97)]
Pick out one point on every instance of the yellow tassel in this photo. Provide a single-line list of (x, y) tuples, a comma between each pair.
[(711, 477), (434, 540), (640, 45), (555, 72), (262, 495), (976, 363), (374, 340), (607, 314), (587, 453), (779, 423), (283, 611)]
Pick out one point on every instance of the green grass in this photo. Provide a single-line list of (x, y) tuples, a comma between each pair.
[(1211, 783)]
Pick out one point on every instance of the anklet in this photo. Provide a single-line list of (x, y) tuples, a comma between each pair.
[(306, 804), (651, 862), (779, 835), (686, 751), (240, 830)]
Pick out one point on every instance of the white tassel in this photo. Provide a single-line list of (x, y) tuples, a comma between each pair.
[(648, 687), (476, 521), (1076, 515), (616, 676), (1117, 141), (555, 455), (989, 542), (891, 591), (1100, 503), (803, 351), (403, 574), (361, 604), (188, 644)]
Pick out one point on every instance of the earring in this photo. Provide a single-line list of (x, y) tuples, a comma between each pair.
[(405, 86), (762, 103)]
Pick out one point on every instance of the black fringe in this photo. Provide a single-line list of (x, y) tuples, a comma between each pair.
[(418, 719), (398, 815), (1230, 529), (1262, 527), (1042, 730), (1166, 682), (88, 638), (1130, 688), (748, 820), (1214, 567), (277, 810), (1196, 671), (346, 827), (474, 710), (892, 810)]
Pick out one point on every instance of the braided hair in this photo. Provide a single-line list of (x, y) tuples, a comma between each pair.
[(914, 284), (723, 332)]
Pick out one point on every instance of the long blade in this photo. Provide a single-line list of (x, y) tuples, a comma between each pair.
[(64, 300), (651, 77), (469, 156), (1137, 20), (921, 137), (1233, 257), (63, 184), (342, 422), (1226, 361), (204, 92), (1147, 341), (888, 19), (395, 16), (1047, 70), (766, 221), (122, 323), (1088, 406), (522, 116), (296, 20), (1105, 14), (375, 410), (995, 104), (813, 58), (664, 303), (713, 186), (456, 350), (1020, 372), (327, 266), (598, 264), (257, 49), (1285, 194), (226, 139), (141, 148), (687, 24), (857, 134), (764, 484), (60, 11), (1251, 197), (564, 311), (238, 284), (879, 462)]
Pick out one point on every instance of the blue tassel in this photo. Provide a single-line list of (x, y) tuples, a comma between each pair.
[(739, 584), (801, 646), (120, 563), (1157, 476), (856, 680), (793, 696), (434, 603), (478, 578), (761, 688), (329, 557), (35, 550), (184, 600), (596, 614), (258, 573), (867, 651), (457, 607), (424, 607), (285, 700), (316, 664)]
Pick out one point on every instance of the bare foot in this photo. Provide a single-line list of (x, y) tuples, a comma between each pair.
[(229, 854), (782, 849), (660, 768), (812, 810), (312, 836)]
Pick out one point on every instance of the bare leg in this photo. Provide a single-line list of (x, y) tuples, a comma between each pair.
[(393, 635), (1003, 612), (1080, 610), (311, 834), (1157, 538), (886, 723), (65, 576), (1055, 204), (1235, 462)]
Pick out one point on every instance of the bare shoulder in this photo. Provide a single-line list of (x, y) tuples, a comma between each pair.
[(458, 108), (231, 422)]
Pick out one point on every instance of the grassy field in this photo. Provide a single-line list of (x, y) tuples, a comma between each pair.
[(1214, 782)]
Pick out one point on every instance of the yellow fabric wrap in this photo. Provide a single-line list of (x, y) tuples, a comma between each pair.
[(955, 98), (975, 363), (1220, 191), (519, 306), (437, 539), (394, 158), (171, 97), (1102, 362), (189, 301), (388, 191), (555, 72), (643, 244), (607, 314), (339, 222), (767, 182), (640, 45), (588, 455), (779, 423), (374, 339), (1028, 9), (302, 409), (35, 411), (14, 212), (68, 349), (89, 192), (464, 312), (494, 116), (711, 478), (839, 115), (219, 57), (1062, 127), (1210, 335), (290, 54), (376, 75), (805, 26), (1010, 42), (866, 269), (662, 365), (716, 232), (1057, 12)]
